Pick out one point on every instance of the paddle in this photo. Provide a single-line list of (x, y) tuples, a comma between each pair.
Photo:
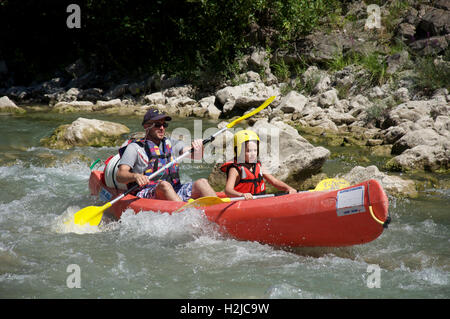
[(324, 185), (213, 200), (331, 184), (93, 214)]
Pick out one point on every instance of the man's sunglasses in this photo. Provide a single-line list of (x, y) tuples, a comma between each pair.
[(159, 124)]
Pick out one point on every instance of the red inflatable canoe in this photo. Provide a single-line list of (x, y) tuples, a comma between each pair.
[(350, 216)]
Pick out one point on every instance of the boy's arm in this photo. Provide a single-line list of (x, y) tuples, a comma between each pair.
[(233, 175)]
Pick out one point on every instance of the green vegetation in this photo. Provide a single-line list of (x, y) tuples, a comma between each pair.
[(293, 18), (374, 63), (190, 38), (202, 41), (340, 61), (376, 66), (281, 71), (431, 74)]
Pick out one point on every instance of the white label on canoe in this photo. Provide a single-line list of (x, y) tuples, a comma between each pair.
[(350, 201), (104, 195)]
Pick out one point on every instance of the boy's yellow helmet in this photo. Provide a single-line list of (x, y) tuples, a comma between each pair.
[(242, 137)]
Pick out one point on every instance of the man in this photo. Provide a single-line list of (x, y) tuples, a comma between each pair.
[(141, 158)]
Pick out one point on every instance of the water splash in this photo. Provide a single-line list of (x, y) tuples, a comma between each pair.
[(65, 223), (178, 227)]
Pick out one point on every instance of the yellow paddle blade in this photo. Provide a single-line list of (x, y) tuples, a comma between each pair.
[(331, 184), (246, 116), (91, 214), (204, 202)]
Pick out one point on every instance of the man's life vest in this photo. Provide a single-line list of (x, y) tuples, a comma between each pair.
[(158, 157), (251, 180)]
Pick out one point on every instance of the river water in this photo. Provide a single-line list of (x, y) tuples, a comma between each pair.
[(157, 255)]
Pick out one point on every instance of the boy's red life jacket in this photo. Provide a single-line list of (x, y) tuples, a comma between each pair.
[(251, 180)]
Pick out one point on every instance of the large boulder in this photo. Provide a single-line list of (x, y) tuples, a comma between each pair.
[(321, 48), (436, 21), (284, 153), (86, 132), (415, 138), (340, 118), (393, 185), (178, 101), (183, 106), (318, 80), (104, 105), (426, 27), (396, 61), (155, 98), (422, 157), (244, 97), (432, 45), (419, 132), (208, 108), (73, 107), (442, 125), (328, 98), (292, 102), (409, 111), (8, 106)]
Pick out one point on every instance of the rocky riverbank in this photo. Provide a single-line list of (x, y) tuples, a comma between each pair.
[(354, 89)]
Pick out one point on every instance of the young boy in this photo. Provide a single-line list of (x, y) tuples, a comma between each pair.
[(245, 175)]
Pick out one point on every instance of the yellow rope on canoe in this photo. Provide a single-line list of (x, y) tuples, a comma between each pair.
[(374, 217)]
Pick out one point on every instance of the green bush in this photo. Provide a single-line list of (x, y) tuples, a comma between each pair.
[(376, 65), (281, 71), (189, 37), (430, 75), (293, 18)]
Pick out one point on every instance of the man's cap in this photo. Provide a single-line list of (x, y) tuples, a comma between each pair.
[(154, 115)]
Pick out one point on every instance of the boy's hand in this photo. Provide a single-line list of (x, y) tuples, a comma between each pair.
[(247, 196), (292, 191)]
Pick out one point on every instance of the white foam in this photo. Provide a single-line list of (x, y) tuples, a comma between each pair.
[(65, 223), (186, 224), (285, 290), (433, 276)]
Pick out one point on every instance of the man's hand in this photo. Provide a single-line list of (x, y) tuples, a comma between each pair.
[(141, 179), (197, 146)]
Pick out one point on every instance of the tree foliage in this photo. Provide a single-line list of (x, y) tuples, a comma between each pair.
[(143, 36)]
